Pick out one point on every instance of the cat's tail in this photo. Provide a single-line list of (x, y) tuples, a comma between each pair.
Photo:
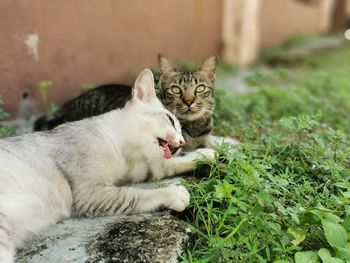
[(7, 243), (45, 123)]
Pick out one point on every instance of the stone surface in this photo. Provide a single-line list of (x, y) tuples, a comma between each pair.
[(295, 54), (157, 237), (234, 82)]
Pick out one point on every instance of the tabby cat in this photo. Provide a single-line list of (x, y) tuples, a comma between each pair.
[(80, 168), (190, 96)]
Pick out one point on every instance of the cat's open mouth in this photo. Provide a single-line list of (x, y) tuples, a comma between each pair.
[(168, 149)]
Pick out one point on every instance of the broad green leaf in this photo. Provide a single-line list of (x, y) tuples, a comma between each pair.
[(306, 257), (335, 233), (311, 218), (346, 194), (320, 209), (326, 256), (346, 223), (273, 226), (54, 107), (343, 253), (347, 209), (331, 218), (298, 234), (294, 217)]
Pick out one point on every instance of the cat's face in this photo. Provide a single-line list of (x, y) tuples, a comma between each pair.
[(189, 95), (161, 130)]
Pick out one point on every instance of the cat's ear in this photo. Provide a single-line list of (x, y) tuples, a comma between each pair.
[(208, 67), (143, 88), (166, 66)]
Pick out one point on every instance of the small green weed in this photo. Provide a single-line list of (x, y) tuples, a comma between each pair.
[(50, 106), (4, 130), (88, 86), (44, 87)]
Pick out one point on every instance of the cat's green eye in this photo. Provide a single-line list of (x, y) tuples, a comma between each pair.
[(200, 89), (175, 90)]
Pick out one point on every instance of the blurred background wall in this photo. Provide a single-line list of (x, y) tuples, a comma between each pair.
[(283, 19), (88, 41)]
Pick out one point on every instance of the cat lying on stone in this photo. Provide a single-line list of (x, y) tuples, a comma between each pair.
[(80, 168)]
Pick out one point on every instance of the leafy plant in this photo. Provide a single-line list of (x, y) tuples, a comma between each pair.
[(88, 86), (269, 201), (50, 106), (4, 130), (284, 195), (44, 87)]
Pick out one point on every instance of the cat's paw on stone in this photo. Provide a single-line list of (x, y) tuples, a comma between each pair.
[(178, 198)]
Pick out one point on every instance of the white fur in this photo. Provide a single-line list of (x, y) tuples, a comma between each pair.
[(45, 177)]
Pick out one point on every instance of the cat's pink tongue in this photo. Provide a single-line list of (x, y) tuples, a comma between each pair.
[(166, 150)]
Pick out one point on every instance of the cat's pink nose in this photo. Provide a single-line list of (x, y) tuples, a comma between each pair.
[(182, 142)]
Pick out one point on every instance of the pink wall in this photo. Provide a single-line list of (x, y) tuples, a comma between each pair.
[(91, 41), (98, 41)]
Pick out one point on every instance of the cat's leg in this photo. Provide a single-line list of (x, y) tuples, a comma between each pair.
[(112, 200), (7, 246), (181, 164)]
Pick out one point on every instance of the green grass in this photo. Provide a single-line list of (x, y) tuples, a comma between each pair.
[(4, 130), (284, 195)]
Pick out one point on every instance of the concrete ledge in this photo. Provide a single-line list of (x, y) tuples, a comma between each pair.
[(158, 237)]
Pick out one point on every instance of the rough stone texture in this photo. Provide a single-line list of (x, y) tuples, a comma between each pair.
[(158, 237)]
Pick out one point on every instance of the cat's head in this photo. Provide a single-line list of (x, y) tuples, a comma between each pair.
[(189, 95), (159, 130)]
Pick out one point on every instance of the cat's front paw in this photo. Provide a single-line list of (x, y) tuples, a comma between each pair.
[(205, 153), (177, 196)]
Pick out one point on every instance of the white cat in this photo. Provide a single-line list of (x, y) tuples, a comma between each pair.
[(75, 169)]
